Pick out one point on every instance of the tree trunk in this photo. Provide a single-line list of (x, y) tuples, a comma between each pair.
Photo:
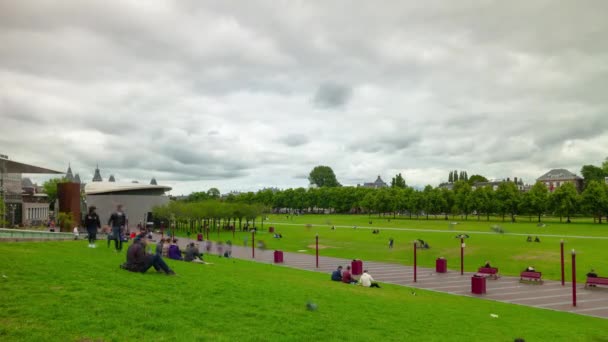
[(538, 217), (503, 217)]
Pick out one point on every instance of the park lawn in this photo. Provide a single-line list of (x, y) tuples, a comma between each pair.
[(510, 253), (63, 291)]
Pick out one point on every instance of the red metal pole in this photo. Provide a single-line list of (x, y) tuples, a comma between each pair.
[(253, 244), (415, 261), (317, 247), (573, 278), (561, 245), (207, 233), (461, 256)]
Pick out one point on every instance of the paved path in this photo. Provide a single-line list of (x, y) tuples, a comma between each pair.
[(551, 295)]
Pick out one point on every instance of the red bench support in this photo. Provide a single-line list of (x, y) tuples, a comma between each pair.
[(488, 272), (531, 276), (596, 281)]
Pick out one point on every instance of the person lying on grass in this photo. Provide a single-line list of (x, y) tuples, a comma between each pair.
[(367, 280), (139, 261)]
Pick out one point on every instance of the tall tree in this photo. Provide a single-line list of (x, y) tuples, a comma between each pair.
[(565, 200), (509, 199), (464, 200), (451, 177), (398, 181), (476, 179), (466, 176), (323, 176), (455, 176), (213, 193), (595, 199), (538, 199), (593, 173)]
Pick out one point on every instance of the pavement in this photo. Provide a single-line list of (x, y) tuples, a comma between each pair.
[(550, 295)]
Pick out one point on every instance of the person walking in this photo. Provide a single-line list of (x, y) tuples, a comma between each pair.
[(91, 222), (118, 221)]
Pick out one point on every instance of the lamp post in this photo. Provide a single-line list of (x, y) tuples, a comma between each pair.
[(561, 247), (462, 246), (317, 248), (573, 278), (253, 244), (415, 262)]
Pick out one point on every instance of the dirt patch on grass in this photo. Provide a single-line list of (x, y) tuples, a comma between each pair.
[(537, 256), (320, 246)]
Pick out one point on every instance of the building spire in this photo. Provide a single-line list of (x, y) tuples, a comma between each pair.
[(97, 176)]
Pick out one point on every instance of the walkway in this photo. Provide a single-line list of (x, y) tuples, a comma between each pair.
[(551, 295)]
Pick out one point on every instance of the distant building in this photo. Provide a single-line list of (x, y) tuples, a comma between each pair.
[(377, 184), (558, 177), (495, 183), (111, 179), (153, 181), (97, 176)]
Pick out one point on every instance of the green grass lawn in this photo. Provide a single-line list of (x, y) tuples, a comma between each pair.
[(510, 253), (63, 291)]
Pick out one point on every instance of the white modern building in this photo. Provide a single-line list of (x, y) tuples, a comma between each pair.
[(137, 199)]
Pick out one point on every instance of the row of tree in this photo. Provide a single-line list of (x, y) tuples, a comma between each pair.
[(208, 214), (464, 200)]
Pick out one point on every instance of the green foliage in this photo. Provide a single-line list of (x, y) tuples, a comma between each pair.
[(323, 176), (464, 197), (594, 199), (593, 173), (477, 179), (509, 198), (197, 196), (50, 189), (65, 221), (398, 181), (451, 177), (537, 199), (455, 176), (565, 200), (213, 193)]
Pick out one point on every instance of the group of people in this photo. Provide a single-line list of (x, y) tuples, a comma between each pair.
[(346, 277), (529, 239)]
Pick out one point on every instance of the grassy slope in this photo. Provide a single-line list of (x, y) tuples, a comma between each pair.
[(65, 291), (511, 253)]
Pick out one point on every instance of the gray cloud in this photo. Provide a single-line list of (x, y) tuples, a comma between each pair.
[(140, 89), (331, 95)]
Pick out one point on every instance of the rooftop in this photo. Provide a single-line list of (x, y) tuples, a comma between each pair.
[(558, 174)]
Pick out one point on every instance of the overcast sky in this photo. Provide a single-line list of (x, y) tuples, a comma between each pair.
[(242, 95)]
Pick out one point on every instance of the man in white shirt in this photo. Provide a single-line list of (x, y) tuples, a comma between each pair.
[(76, 233), (367, 280)]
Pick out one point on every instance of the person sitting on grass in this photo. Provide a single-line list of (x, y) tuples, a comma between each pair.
[(139, 261), (487, 265), (536, 239), (337, 274), (592, 274), (174, 252), (367, 280), (193, 254), (347, 276), (529, 239)]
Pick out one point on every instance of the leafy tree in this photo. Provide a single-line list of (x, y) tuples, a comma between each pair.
[(197, 196), (565, 200), (593, 173), (476, 179), (594, 199), (455, 178), (466, 176), (464, 200), (398, 181), (484, 201), (451, 177), (213, 193), (446, 202), (537, 199), (605, 166), (509, 199), (323, 176), (50, 189)]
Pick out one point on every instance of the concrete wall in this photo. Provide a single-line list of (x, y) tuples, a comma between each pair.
[(135, 206)]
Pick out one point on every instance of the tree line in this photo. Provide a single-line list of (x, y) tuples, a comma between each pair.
[(507, 201)]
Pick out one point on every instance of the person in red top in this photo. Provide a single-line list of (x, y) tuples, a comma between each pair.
[(347, 277)]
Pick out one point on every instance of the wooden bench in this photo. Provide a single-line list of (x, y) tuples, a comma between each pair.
[(596, 281), (487, 272), (531, 276)]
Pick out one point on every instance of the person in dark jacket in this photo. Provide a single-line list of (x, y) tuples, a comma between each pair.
[(139, 261), (192, 253), (118, 221), (337, 274), (91, 222)]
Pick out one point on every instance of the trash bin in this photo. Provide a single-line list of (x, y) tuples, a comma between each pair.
[(278, 257), (356, 267), (441, 265), (199, 237), (271, 229), (478, 285)]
